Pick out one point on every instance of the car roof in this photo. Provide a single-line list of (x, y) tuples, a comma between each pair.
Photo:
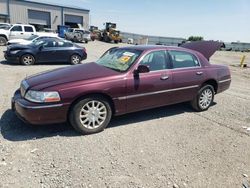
[(154, 47), (46, 38)]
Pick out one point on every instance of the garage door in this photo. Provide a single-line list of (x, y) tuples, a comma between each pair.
[(39, 17), (72, 19)]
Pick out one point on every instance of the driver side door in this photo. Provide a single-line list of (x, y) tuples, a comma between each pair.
[(47, 52), (16, 32), (149, 90)]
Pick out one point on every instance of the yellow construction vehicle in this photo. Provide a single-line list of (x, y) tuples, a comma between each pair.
[(110, 33)]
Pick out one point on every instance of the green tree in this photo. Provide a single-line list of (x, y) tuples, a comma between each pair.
[(195, 38)]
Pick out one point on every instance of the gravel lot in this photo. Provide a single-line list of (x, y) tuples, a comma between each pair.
[(165, 147)]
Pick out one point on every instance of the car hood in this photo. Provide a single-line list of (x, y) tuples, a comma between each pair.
[(70, 74), (19, 47), (206, 48), (16, 40)]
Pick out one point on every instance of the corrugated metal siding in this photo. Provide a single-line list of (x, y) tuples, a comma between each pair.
[(84, 14), (237, 46), (3, 7), (152, 39), (19, 12)]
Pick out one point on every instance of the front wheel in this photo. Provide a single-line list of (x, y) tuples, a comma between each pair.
[(204, 98), (3, 41), (27, 59), (75, 59), (90, 115)]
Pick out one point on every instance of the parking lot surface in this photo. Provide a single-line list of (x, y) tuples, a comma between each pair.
[(163, 147)]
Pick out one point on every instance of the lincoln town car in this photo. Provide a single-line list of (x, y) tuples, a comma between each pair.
[(123, 80)]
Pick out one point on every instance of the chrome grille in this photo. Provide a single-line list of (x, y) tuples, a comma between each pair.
[(23, 88)]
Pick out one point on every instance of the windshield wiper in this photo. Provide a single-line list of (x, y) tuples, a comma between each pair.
[(118, 70)]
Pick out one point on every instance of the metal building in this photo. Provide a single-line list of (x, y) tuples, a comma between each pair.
[(151, 40), (43, 15)]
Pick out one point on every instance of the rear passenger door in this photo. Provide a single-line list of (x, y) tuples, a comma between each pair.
[(187, 73), (64, 50), (28, 31)]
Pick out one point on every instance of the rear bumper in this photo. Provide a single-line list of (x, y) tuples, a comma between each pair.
[(84, 56), (38, 114)]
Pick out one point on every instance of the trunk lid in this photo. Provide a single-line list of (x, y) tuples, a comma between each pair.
[(206, 48)]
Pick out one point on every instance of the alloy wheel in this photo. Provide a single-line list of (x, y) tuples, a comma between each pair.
[(75, 59), (206, 98), (28, 60), (93, 114)]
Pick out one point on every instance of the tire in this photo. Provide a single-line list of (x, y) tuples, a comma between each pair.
[(90, 115), (204, 98), (3, 41), (86, 41), (27, 59), (75, 59), (106, 39)]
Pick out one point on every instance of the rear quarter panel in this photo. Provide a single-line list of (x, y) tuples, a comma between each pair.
[(220, 73)]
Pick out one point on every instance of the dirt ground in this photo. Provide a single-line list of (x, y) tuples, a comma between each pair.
[(166, 147)]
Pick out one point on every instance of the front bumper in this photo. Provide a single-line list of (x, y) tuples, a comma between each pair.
[(38, 114), (11, 58)]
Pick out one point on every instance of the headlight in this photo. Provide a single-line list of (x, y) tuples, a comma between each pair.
[(14, 51), (42, 97)]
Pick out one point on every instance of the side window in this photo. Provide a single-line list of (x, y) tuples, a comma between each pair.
[(28, 29), (155, 60), (49, 44), (17, 28), (183, 59)]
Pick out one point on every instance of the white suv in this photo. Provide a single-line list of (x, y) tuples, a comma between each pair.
[(16, 31)]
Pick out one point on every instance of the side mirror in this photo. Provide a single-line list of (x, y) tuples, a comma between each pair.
[(141, 69), (40, 47)]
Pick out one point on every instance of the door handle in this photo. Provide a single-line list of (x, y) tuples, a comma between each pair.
[(164, 77), (21, 33), (199, 73)]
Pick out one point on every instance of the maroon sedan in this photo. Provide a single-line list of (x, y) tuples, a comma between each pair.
[(123, 80)]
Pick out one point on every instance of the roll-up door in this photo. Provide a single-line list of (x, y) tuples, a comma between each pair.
[(73, 20), (39, 17)]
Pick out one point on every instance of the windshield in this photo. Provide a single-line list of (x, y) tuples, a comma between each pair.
[(32, 37), (5, 27), (38, 42), (119, 59)]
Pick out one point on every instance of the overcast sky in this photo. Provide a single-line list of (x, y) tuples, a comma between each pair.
[(227, 20)]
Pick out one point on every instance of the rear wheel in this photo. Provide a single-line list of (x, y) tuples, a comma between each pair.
[(75, 59), (204, 99), (27, 59), (90, 115), (3, 41)]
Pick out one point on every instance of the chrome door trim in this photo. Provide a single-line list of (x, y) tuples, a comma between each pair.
[(156, 92)]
